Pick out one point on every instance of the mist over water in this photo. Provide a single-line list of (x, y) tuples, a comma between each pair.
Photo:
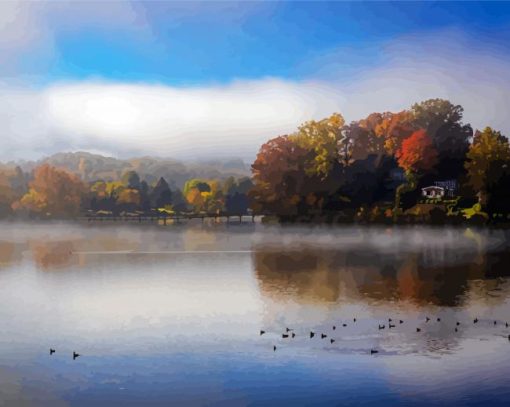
[(172, 314)]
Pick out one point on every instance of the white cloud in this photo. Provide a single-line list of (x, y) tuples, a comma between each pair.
[(196, 122), (447, 64), (235, 119)]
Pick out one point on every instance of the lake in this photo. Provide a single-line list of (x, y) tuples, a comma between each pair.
[(171, 315)]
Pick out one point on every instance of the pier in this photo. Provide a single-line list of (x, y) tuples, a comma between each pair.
[(165, 219)]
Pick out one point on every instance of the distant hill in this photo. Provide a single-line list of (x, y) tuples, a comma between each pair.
[(91, 167)]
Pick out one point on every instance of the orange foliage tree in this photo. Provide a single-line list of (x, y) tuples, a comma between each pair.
[(365, 141), (279, 175), (53, 192), (394, 128), (11, 188)]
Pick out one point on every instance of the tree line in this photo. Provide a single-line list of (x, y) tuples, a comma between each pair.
[(374, 169), (371, 169), (52, 192)]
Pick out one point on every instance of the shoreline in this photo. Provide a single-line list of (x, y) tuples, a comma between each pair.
[(268, 222)]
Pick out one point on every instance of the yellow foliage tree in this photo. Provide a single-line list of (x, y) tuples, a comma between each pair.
[(33, 201), (488, 153), (326, 139), (102, 189), (129, 196), (195, 198), (204, 195)]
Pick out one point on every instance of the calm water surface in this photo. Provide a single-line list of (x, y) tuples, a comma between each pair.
[(171, 315)]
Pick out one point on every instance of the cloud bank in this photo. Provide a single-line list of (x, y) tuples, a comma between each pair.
[(133, 119), (214, 121)]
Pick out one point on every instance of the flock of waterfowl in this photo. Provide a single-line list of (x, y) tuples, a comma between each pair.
[(290, 334), (75, 355)]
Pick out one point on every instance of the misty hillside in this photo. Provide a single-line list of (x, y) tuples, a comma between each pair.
[(91, 167)]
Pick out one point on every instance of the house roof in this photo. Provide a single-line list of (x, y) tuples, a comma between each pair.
[(432, 187)]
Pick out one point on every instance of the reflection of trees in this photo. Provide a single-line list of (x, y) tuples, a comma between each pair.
[(433, 276), (496, 264), (45, 254), (49, 255), (198, 239), (10, 252), (301, 274)]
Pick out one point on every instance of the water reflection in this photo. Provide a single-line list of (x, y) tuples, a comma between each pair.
[(51, 255), (438, 277), (185, 303)]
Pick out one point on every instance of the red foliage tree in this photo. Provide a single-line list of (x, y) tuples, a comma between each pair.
[(417, 153)]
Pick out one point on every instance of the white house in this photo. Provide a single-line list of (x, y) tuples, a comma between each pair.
[(433, 192)]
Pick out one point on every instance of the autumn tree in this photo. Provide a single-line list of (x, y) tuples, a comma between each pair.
[(129, 199), (417, 153), (443, 122), (416, 157), (53, 192), (195, 198), (393, 129), (204, 195), (214, 199), (431, 114), (487, 159), (279, 175), (200, 185), (327, 140), (12, 188), (7, 195), (103, 195), (363, 140), (305, 173)]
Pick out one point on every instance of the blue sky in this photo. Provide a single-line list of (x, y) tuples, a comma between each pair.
[(208, 42), (75, 62)]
